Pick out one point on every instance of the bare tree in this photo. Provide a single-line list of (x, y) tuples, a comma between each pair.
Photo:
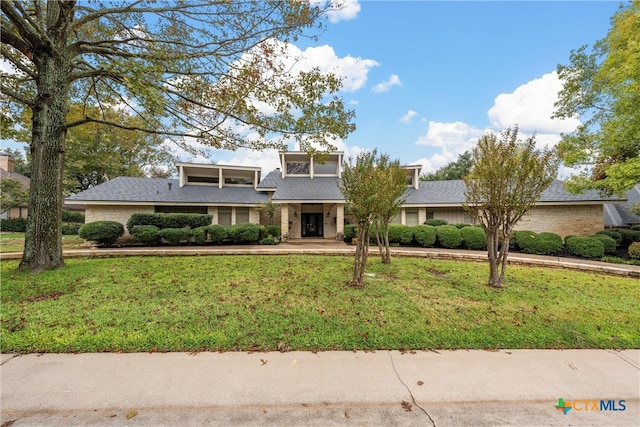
[(508, 176), (202, 70)]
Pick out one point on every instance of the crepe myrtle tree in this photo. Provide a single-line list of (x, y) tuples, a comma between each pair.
[(212, 71), (508, 176)]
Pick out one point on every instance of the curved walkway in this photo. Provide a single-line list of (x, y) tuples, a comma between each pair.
[(330, 247)]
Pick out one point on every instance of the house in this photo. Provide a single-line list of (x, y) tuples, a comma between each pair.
[(305, 190), (7, 171), (619, 215)]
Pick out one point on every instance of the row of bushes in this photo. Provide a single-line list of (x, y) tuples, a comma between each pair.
[(473, 237), (71, 223), (169, 220), (106, 233)]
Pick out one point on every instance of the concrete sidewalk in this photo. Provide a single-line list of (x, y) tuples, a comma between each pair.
[(443, 388)]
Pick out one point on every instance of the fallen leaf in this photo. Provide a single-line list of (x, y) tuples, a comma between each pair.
[(420, 383), (131, 414), (263, 362), (346, 414), (406, 406)]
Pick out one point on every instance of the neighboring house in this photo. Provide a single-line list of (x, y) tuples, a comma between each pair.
[(619, 215), (7, 171), (309, 200)]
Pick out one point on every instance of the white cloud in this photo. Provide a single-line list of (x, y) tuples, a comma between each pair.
[(530, 106), (407, 117), (385, 86), (268, 159), (454, 134), (343, 10)]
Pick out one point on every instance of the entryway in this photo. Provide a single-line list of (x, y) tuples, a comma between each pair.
[(312, 224)]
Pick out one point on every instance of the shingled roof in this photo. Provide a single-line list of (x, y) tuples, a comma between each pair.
[(304, 189), (160, 190), (619, 214)]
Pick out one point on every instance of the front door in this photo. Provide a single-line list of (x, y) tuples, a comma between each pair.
[(311, 225)]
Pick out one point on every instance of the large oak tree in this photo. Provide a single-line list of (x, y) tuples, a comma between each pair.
[(601, 85), (206, 70)]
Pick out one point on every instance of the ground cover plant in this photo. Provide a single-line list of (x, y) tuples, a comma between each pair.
[(278, 302)]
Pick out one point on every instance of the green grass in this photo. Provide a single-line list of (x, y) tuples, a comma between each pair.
[(255, 303), (14, 242)]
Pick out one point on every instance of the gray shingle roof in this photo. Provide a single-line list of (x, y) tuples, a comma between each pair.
[(619, 215), (156, 190), (452, 192)]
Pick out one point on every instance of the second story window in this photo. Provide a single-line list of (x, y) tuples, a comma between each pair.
[(298, 168)]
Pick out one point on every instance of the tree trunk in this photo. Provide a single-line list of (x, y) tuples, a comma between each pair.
[(494, 261), (43, 238), (362, 254)]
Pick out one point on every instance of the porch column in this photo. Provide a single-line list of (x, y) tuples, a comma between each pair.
[(284, 219), (339, 219)]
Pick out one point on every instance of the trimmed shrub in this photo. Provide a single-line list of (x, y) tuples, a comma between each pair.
[(473, 238), (540, 244), (448, 236), (635, 227), (628, 237), (608, 242), (274, 230), (199, 235), (169, 220), (585, 247), (436, 222), (425, 235), (634, 250), (269, 240), (461, 225), (244, 233), (217, 233), (104, 233), (146, 234), (175, 236), (14, 225), (71, 229), (614, 234), (399, 234), (349, 232), (72, 217), (521, 236)]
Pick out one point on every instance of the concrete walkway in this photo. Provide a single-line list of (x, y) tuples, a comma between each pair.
[(443, 388)]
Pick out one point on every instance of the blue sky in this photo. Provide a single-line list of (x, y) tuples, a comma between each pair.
[(427, 78)]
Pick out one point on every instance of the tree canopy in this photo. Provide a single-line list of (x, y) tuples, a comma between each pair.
[(601, 85), (508, 176), (454, 170), (214, 71)]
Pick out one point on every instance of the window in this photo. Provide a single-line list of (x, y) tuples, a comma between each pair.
[(297, 168), (430, 215), (224, 216), (242, 215), (325, 169), (205, 179), (238, 181), (411, 216)]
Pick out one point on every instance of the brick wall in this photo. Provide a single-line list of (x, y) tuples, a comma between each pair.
[(119, 214), (581, 220)]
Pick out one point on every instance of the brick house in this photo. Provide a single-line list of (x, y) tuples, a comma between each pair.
[(308, 199), (7, 171)]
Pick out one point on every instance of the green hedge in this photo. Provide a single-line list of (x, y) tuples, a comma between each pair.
[(146, 234), (349, 232), (473, 238), (14, 225), (425, 235), (628, 237), (609, 243), (175, 236), (436, 222), (68, 216), (103, 232), (634, 250), (539, 244), (244, 233), (448, 236), (399, 234), (169, 220), (274, 231), (217, 233), (585, 247), (615, 235)]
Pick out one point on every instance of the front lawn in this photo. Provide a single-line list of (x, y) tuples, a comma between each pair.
[(256, 303), (14, 242)]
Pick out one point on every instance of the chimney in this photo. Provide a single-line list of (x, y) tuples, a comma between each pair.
[(7, 163)]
